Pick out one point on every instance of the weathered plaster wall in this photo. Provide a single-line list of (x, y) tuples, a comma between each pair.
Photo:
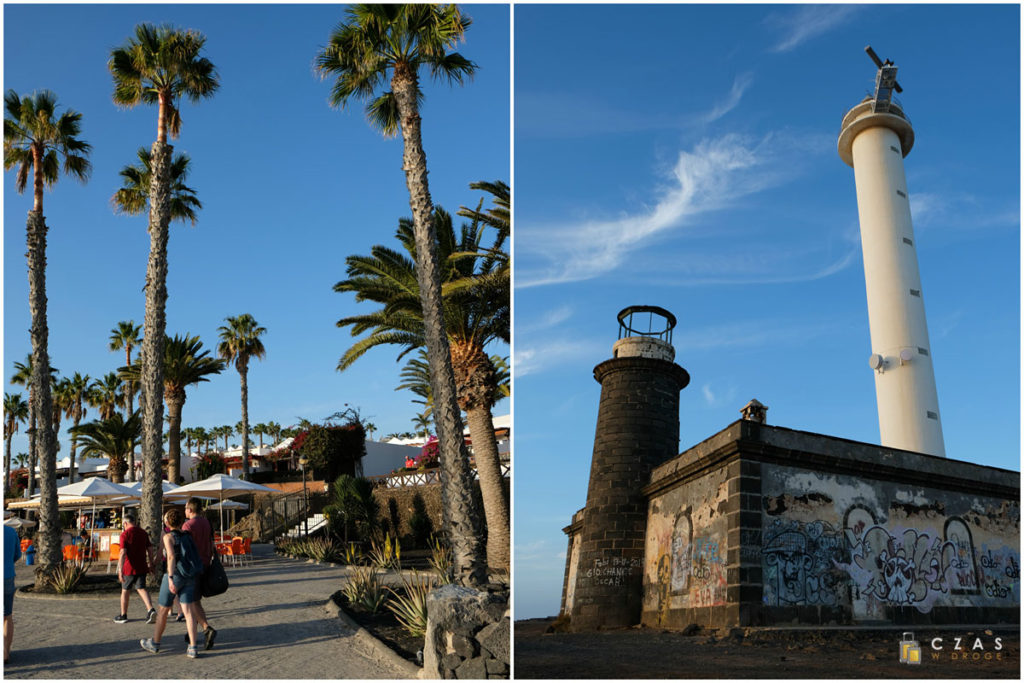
[(869, 547), (685, 549)]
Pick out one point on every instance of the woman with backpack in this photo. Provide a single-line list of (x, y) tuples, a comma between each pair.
[(183, 566)]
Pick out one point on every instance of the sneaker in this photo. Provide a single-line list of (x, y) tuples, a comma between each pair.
[(149, 646), (191, 652), (121, 619), (210, 633), (151, 617), (181, 617)]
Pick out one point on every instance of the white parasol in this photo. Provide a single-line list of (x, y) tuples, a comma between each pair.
[(97, 489), (222, 486)]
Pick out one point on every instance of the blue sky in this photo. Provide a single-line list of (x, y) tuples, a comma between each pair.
[(685, 156), (290, 187)]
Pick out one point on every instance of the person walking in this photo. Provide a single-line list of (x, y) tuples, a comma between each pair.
[(12, 551), (132, 567), (183, 566), (202, 533)]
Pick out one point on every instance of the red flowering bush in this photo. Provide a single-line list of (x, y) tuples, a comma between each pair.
[(429, 455), (209, 465)]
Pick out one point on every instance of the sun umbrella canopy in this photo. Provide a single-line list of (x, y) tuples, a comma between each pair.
[(136, 487), (229, 505), (96, 488), (223, 486), (18, 522)]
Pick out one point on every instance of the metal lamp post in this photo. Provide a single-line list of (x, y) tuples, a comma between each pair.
[(303, 461)]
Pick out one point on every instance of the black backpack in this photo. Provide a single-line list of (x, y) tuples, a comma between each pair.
[(189, 563)]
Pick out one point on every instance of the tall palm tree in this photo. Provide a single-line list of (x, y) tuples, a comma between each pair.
[(39, 142), (127, 335), (370, 429), (240, 341), (422, 424), (158, 65), (75, 408), (59, 400), (15, 411), (225, 431), (186, 362), (385, 45), (112, 438), (476, 312), (259, 429), (107, 394), (201, 437), (274, 429)]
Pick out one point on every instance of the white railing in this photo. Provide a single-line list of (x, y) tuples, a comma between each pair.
[(431, 476)]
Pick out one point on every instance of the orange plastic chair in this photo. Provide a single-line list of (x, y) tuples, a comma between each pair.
[(234, 551), (247, 550), (73, 553), (115, 555), (25, 543)]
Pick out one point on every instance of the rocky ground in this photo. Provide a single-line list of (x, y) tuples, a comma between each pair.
[(641, 653)]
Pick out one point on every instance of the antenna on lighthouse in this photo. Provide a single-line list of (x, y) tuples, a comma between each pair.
[(885, 82)]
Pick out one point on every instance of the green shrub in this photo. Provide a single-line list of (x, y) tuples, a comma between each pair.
[(419, 522)]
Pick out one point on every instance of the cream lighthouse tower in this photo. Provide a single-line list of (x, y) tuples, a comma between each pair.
[(875, 137)]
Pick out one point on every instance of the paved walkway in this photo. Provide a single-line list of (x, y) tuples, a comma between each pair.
[(270, 624)]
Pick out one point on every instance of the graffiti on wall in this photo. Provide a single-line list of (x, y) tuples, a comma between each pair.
[(812, 563), (691, 567), (799, 563), (611, 571)]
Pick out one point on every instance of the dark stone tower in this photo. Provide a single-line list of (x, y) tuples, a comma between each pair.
[(637, 429)]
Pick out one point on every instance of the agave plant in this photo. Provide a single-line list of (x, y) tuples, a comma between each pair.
[(386, 555), (409, 603), (67, 577), (353, 555), (441, 560), (321, 549), (365, 589)]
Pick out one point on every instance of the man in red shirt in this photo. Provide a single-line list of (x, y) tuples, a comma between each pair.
[(132, 567), (202, 533)]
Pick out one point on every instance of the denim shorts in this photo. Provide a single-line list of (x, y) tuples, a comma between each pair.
[(8, 596), (186, 591)]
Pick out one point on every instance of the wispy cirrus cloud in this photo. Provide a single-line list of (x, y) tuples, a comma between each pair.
[(561, 352), (805, 22), (720, 109), (565, 115), (715, 174)]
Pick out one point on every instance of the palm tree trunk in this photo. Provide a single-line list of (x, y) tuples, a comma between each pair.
[(492, 485), (49, 555), (74, 447), (129, 396), (175, 402), (32, 443), (243, 372), (461, 516), (152, 375), (7, 458)]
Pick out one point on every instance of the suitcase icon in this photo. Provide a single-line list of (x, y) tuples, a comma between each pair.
[(910, 649)]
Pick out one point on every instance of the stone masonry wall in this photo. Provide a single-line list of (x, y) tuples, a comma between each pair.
[(637, 428)]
